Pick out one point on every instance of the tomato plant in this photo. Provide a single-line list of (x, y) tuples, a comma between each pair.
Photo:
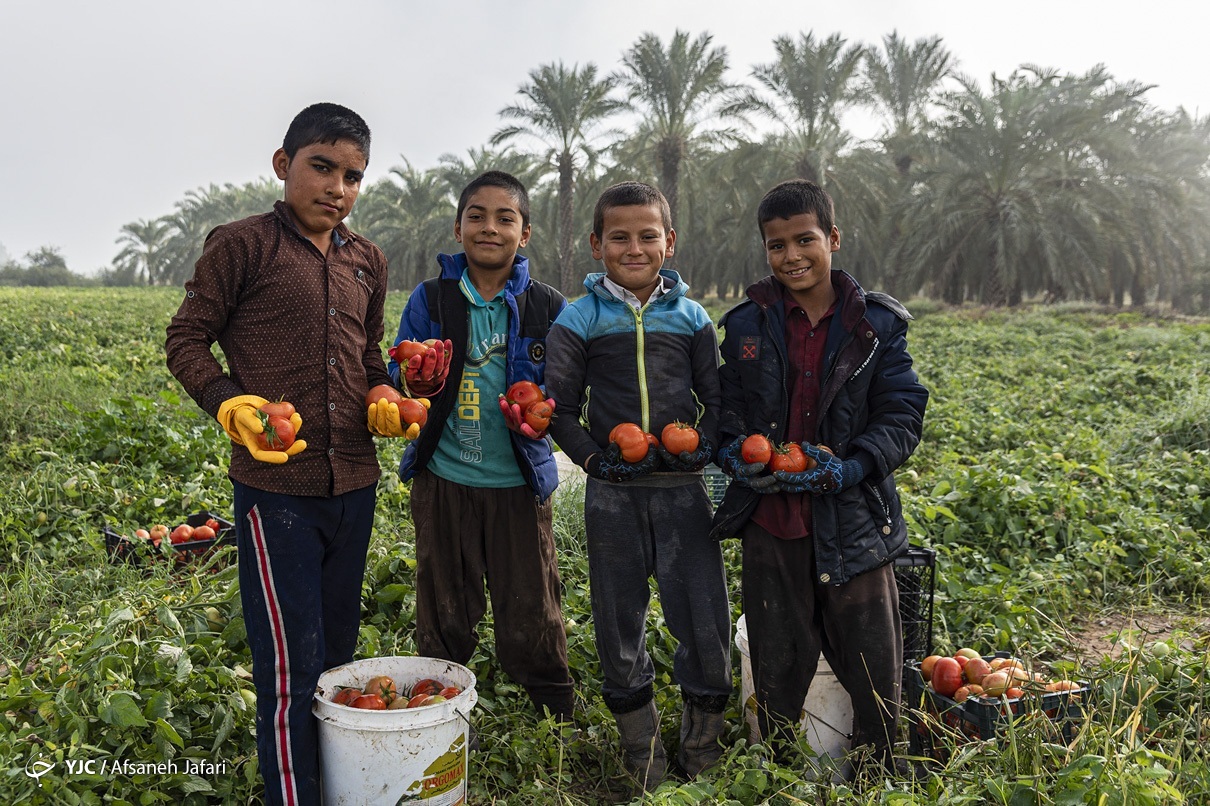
[(756, 449), (680, 438), (631, 440)]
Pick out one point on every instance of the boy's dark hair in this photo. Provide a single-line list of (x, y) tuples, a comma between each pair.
[(497, 179), (629, 194), (794, 197), (326, 123)]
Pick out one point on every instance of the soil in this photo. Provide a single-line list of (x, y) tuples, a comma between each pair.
[(1095, 637)]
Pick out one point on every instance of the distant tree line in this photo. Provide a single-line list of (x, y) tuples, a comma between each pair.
[(1043, 185)]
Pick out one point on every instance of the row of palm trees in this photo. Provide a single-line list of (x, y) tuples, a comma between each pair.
[(1042, 185)]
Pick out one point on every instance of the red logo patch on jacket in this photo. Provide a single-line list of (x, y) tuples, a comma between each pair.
[(749, 348)]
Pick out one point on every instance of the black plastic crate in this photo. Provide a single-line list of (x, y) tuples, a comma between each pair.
[(916, 578), (931, 716), (716, 483), (129, 549)]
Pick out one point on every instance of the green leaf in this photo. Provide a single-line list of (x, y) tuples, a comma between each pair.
[(121, 711)]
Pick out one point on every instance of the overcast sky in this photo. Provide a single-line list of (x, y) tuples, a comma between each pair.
[(111, 111)]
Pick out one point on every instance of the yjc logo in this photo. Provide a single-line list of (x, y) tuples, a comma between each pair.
[(36, 769)]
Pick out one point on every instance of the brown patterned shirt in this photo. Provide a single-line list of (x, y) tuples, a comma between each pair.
[(293, 325)]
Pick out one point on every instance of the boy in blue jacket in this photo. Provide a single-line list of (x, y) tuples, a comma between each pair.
[(637, 349), (810, 357), (481, 482)]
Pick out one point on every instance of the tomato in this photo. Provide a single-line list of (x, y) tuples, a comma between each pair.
[(383, 686), (788, 458), (370, 702), (413, 411), (524, 394), (538, 415), (947, 676), (346, 695), (632, 440), (279, 409), (450, 692), (432, 699), (383, 390), (926, 667), (213, 524), (159, 531), (426, 686), (680, 438), (967, 652), (203, 533), (975, 670), (181, 534), (1063, 685), (407, 348), (278, 434), (418, 700), (996, 683), (142, 534), (756, 449)]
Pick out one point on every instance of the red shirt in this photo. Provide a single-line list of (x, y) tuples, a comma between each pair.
[(788, 515)]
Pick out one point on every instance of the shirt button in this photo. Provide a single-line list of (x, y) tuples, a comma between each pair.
[(332, 361), (824, 577), (869, 334), (808, 373), (331, 311), (331, 407), (886, 530), (331, 451)]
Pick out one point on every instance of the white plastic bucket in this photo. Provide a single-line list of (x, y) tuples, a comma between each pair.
[(827, 715), (390, 757)]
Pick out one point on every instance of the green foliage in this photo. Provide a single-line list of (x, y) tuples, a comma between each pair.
[(1064, 470)]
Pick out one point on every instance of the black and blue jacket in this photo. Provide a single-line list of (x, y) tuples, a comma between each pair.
[(871, 402), (609, 364), (437, 309)]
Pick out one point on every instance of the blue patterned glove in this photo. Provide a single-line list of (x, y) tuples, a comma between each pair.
[(828, 477), (731, 460), (687, 462), (608, 465)]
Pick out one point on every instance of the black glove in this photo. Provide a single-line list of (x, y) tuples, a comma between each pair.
[(608, 465), (828, 477), (686, 461), (731, 460)]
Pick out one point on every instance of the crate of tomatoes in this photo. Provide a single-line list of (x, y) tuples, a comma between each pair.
[(197, 536), (973, 697)]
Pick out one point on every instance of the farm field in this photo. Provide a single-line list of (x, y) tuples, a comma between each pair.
[(1063, 480)]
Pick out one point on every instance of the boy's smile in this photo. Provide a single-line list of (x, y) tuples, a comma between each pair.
[(491, 229), (800, 254), (321, 183), (633, 246)]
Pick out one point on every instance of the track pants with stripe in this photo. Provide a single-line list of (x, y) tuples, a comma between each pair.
[(301, 563)]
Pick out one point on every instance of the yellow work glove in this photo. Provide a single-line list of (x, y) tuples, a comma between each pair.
[(240, 418), (382, 418)]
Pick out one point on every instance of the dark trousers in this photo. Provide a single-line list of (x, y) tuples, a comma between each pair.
[(635, 532), (468, 535), (791, 618), (301, 563)]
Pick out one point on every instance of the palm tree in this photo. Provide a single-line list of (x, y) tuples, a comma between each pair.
[(903, 82), (561, 107), (807, 87), (142, 252), (410, 216), (678, 91)]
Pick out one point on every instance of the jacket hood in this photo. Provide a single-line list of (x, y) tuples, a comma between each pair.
[(674, 286), (452, 267)]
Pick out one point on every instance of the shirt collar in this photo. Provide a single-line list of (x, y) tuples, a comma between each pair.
[(471, 293), (630, 299), (790, 304)]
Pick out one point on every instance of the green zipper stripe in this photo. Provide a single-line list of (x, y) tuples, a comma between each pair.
[(641, 361)]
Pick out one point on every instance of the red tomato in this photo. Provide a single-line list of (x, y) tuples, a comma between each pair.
[(279, 409), (407, 348), (370, 702), (632, 440), (947, 676), (450, 692), (413, 411), (213, 524), (159, 531), (383, 686), (418, 700), (426, 686), (680, 438), (203, 533), (538, 415), (524, 394), (142, 534), (181, 534), (278, 434), (788, 458), (346, 696), (381, 391), (756, 449)]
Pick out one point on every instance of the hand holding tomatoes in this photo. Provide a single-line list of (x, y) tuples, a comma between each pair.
[(423, 365), (268, 430), (527, 410), (390, 414), (823, 473), (744, 459), (684, 448), (629, 455)]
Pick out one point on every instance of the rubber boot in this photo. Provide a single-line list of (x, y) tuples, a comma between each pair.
[(642, 751), (702, 724)]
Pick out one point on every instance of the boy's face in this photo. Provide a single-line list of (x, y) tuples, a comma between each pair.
[(633, 246), (491, 229), (322, 182), (800, 253)]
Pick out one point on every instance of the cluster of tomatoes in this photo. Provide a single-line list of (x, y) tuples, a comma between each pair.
[(967, 674), (279, 430), (183, 533), (634, 443), (380, 694), (787, 457), (535, 411)]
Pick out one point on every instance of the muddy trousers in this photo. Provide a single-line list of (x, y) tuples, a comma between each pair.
[(301, 563), (466, 536), (791, 618)]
